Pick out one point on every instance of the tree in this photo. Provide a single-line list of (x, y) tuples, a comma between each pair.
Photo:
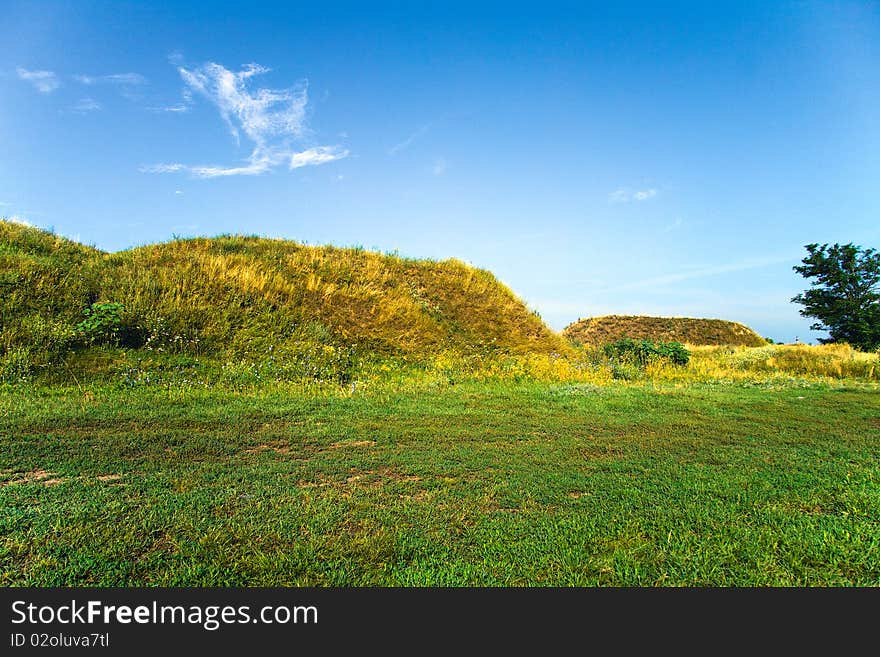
[(845, 295)]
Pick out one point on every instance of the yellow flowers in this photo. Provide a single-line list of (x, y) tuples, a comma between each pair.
[(767, 364), (837, 361)]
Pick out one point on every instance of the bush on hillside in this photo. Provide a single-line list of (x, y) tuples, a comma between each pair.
[(642, 352), (108, 323)]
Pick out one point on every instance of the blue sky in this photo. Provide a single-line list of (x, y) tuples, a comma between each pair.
[(652, 158)]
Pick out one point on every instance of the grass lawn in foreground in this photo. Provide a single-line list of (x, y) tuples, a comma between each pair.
[(474, 484)]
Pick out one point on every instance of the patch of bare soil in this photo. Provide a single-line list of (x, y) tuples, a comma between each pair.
[(38, 476), (353, 443), (278, 449), (363, 479)]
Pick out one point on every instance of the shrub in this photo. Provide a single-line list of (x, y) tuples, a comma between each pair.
[(642, 352), (675, 352), (108, 323)]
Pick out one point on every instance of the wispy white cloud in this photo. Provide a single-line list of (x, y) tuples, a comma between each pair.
[(255, 168), (317, 155), (125, 79), (44, 81), (256, 165), (406, 143), (180, 108), (274, 120), (262, 115), (440, 167), (623, 195), (162, 168), (84, 105)]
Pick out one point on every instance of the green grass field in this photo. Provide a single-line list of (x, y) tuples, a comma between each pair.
[(470, 484), (246, 411)]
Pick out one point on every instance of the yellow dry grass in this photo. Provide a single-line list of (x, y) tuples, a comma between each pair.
[(602, 330), (250, 295)]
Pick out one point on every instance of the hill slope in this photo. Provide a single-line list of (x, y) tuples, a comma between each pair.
[(236, 295), (602, 330)]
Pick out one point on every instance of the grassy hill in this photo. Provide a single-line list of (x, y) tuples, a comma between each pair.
[(602, 330), (235, 296)]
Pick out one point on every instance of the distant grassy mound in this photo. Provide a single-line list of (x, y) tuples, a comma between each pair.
[(236, 296), (602, 330)]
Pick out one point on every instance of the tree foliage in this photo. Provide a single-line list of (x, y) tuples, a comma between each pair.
[(641, 352), (845, 293)]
